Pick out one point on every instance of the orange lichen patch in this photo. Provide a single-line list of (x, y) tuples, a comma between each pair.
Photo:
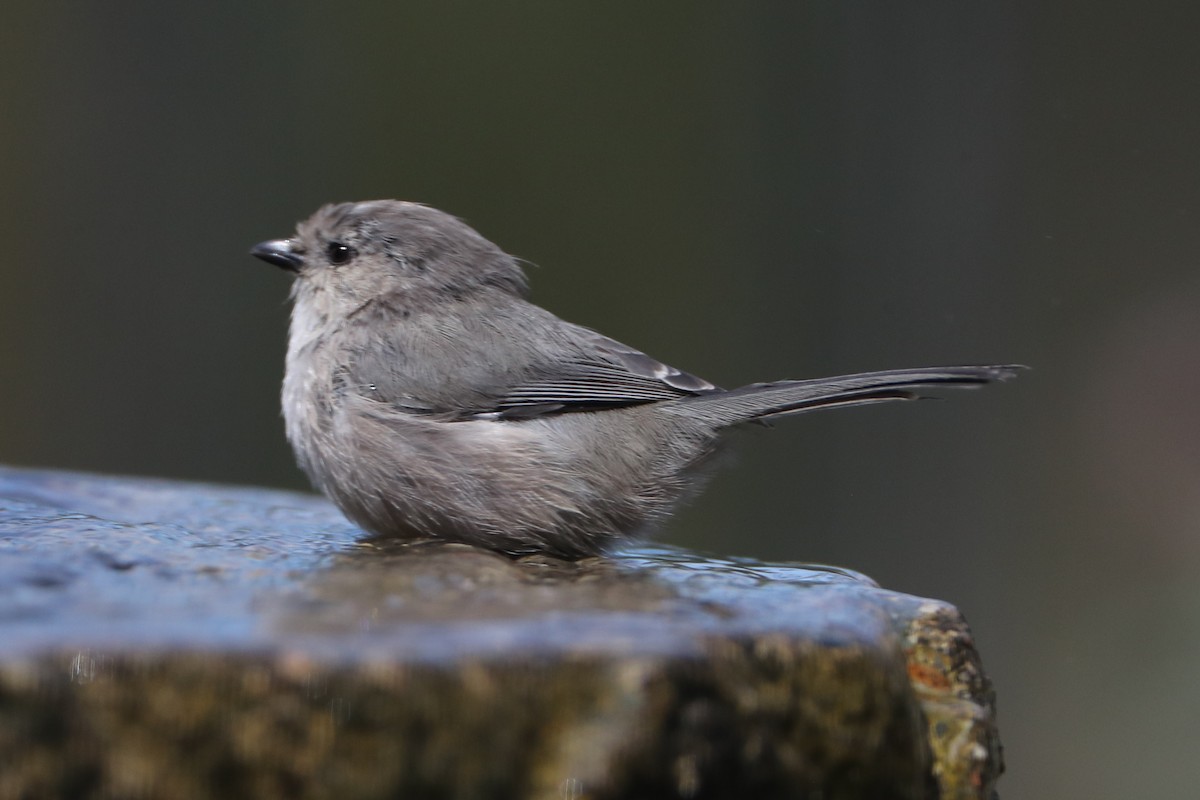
[(928, 676)]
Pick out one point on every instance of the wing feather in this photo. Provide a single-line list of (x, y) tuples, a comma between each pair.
[(609, 375)]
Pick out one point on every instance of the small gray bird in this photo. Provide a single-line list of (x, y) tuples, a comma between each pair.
[(427, 397)]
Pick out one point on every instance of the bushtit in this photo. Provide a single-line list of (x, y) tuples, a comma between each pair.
[(426, 396)]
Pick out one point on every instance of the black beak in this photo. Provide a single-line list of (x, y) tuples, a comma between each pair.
[(280, 252)]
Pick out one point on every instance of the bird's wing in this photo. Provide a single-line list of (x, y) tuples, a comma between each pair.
[(602, 374), (504, 361)]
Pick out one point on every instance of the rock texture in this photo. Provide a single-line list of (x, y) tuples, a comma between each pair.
[(163, 639)]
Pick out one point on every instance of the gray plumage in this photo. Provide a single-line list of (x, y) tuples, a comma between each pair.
[(426, 396)]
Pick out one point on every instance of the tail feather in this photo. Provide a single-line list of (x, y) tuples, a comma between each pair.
[(780, 398)]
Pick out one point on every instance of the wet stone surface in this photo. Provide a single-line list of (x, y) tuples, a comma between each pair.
[(164, 639)]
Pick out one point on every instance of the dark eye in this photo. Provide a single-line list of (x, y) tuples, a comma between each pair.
[(339, 253)]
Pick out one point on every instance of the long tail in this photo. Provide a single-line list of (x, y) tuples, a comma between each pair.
[(780, 398)]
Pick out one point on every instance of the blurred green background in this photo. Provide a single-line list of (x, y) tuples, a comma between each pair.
[(749, 191)]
